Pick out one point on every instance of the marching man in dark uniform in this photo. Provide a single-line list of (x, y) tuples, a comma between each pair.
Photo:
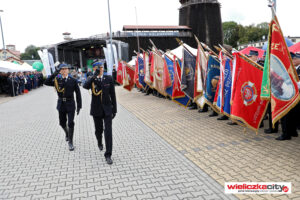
[(65, 87), (103, 106)]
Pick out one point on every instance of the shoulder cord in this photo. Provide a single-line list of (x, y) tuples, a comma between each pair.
[(57, 87), (94, 91)]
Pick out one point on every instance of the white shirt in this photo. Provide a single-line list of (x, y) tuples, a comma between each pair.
[(100, 77), (66, 78)]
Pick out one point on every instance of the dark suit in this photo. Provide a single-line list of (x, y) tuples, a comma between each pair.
[(103, 106), (290, 121), (11, 84), (65, 102)]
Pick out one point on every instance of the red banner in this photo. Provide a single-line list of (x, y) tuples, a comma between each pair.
[(151, 67), (128, 76), (177, 93), (120, 73), (283, 78), (246, 104)]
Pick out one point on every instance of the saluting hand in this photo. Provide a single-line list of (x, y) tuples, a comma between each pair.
[(97, 72)]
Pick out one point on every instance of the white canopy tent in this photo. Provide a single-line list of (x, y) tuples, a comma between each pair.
[(6, 66), (178, 51), (27, 67)]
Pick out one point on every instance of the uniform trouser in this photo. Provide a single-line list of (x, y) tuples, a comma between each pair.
[(21, 89), (11, 92), (98, 121), (270, 118), (290, 121), (63, 119)]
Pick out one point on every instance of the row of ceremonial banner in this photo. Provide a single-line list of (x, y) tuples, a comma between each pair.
[(232, 85)]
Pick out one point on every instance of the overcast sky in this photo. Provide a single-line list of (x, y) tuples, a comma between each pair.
[(42, 22)]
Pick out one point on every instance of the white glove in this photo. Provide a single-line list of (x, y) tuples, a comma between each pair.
[(56, 64)]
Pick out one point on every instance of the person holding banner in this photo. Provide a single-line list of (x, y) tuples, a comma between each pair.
[(290, 121), (103, 106), (253, 55), (65, 86)]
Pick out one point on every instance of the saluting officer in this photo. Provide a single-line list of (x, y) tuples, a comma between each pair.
[(65, 86), (103, 106)]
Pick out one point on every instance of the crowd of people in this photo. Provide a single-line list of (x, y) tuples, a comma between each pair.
[(18, 83)]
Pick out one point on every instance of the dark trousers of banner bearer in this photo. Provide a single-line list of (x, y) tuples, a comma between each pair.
[(290, 122), (98, 121), (269, 111), (63, 116)]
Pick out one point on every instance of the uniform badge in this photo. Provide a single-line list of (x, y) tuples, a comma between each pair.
[(249, 93)]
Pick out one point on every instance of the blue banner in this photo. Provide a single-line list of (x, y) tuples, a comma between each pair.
[(170, 66), (218, 105), (227, 86), (188, 74), (141, 72), (226, 95), (213, 74)]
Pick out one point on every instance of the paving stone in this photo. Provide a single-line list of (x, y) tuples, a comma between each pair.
[(35, 161), (193, 130)]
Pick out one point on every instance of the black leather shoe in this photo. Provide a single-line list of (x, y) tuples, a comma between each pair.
[(70, 138), (283, 138), (71, 147), (213, 114), (295, 135), (67, 134), (232, 123), (270, 130), (193, 108), (109, 160), (100, 147), (223, 118), (202, 110)]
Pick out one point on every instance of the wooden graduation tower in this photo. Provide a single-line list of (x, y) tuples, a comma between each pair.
[(204, 17)]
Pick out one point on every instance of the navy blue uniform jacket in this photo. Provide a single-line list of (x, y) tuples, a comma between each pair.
[(104, 103), (70, 86)]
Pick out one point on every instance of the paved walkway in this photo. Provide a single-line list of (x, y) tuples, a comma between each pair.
[(36, 164), (224, 152), (4, 98)]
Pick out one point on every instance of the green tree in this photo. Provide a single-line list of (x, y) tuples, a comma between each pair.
[(235, 34), (30, 53), (231, 33)]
